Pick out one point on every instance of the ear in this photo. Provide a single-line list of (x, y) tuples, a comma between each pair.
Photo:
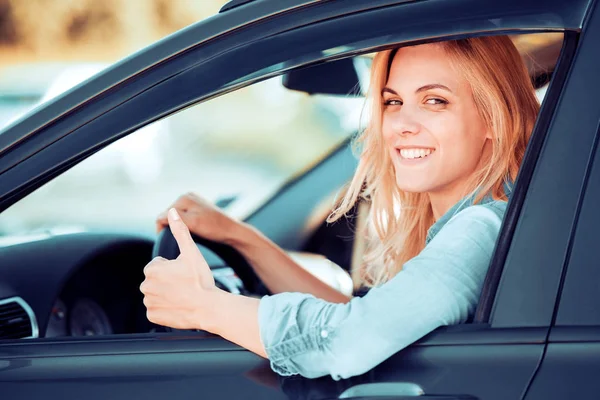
[(488, 134)]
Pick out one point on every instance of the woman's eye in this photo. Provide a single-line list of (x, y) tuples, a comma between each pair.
[(392, 102), (435, 101)]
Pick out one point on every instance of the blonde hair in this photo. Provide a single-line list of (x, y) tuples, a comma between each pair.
[(505, 99)]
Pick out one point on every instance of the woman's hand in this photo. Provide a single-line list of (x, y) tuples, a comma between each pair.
[(182, 294), (202, 218), (179, 293)]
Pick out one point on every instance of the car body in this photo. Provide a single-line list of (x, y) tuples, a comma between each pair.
[(536, 331)]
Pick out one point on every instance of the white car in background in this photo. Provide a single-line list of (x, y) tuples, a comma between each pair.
[(138, 155)]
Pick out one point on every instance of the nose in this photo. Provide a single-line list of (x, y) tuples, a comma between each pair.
[(404, 121)]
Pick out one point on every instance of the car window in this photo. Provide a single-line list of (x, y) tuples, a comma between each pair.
[(236, 150), (580, 297), (276, 134)]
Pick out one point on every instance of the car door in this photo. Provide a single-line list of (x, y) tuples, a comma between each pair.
[(493, 358), (571, 363)]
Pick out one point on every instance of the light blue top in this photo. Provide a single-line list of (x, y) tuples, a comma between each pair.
[(441, 286)]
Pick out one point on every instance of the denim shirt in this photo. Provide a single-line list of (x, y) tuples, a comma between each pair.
[(440, 286)]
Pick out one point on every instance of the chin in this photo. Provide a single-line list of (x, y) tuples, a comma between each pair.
[(413, 186)]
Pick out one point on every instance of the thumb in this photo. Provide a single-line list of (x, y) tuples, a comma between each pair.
[(181, 233)]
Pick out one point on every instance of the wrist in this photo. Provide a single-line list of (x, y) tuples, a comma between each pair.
[(240, 235), (210, 309)]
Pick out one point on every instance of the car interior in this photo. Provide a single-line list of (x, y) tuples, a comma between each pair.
[(87, 283)]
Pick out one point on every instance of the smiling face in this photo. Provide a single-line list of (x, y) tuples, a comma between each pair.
[(430, 124)]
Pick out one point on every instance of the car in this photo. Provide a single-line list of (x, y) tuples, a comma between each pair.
[(536, 330)]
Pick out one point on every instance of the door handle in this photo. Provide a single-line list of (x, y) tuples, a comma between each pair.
[(383, 389), (395, 391)]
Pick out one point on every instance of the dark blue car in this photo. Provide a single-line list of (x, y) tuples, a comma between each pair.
[(72, 322)]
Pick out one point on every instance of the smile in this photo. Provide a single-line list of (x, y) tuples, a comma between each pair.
[(416, 153)]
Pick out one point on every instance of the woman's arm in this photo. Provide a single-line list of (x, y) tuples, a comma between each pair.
[(181, 293), (278, 271), (304, 335), (441, 286), (235, 318)]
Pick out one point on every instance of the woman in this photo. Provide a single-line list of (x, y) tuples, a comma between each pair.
[(449, 125)]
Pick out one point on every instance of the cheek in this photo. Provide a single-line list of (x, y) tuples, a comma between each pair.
[(386, 131), (463, 149), (444, 130), (387, 139), (459, 142)]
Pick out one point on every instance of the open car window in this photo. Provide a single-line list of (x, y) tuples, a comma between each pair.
[(237, 150)]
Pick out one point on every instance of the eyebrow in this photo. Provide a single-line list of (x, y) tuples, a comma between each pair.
[(421, 89)]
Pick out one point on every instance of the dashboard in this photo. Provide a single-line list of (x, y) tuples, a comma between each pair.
[(86, 284), (53, 275)]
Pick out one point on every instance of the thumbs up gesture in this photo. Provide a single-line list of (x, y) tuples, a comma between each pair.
[(176, 292)]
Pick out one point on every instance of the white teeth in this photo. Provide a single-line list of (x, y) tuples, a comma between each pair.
[(415, 153)]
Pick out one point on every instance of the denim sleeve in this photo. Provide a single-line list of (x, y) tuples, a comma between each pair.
[(441, 286)]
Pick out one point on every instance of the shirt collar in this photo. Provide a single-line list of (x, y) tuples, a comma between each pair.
[(458, 207)]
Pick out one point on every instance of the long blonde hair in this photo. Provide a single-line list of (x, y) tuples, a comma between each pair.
[(505, 99)]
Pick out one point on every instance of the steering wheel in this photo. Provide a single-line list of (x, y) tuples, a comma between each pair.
[(166, 246)]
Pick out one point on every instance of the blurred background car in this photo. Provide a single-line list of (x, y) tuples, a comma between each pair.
[(138, 156)]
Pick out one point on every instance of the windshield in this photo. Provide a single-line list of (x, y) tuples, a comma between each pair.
[(236, 150)]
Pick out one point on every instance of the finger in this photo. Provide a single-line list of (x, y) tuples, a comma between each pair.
[(153, 269), (162, 220), (195, 198), (161, 224), (182, 234), (155, 316), (145, 288), (149, 302), (154, 263), (187, 217), (161, 316), (184, 202), (149, 287)]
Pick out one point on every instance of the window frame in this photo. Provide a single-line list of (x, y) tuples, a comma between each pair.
[(533, 274), (578, 297), (495, 306)]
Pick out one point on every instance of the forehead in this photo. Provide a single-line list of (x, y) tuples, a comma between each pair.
[(415, 66)]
